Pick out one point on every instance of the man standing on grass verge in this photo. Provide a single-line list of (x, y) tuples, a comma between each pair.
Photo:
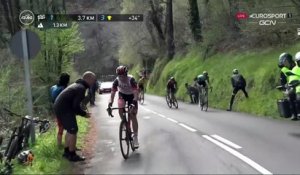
[(67, 106)]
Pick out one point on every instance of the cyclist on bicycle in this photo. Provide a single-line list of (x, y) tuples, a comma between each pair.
[(141, 84), (127, 87), (172, 87), (286, 64), (203, 80)]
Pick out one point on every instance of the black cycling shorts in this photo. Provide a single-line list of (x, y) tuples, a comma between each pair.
[(69, 122), (172, 90), (202, 83), (128, 99)]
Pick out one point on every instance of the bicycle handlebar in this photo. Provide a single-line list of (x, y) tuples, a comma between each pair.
[(110, 109), (284, 87)]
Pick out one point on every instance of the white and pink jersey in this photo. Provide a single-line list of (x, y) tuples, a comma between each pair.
[(125, 84)]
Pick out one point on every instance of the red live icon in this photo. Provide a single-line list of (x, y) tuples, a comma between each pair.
[(241, 15)]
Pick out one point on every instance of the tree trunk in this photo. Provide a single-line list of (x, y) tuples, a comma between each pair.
[(195, 23), (60, 56), (156, 22), (46, 6), (31, 5), (38, 4), (150, 28), (170, 30), (234, 7), (15, 11), (64, 6), (7, 16)]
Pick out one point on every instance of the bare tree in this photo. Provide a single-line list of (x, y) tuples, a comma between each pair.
[(170, 30), (7, 12), (156, 20), (234, 7), (195, 23)]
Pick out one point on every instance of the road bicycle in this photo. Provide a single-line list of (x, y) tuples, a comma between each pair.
[(19, 139), (203, 97), (125, 131), (141, 97), (171, 100)]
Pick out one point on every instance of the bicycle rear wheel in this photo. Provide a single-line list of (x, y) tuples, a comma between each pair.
[(124, 140)]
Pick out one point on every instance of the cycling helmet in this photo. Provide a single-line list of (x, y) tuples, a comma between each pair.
[(25, 156), (205, 73), (122, 70), (283, 57), (297, 56), (172, 78), (235, 71)]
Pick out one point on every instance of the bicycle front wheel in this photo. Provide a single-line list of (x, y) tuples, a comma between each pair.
[(124, 140), (142, 97), (175, 103), (12, 149), (168, 100), (205, 104)]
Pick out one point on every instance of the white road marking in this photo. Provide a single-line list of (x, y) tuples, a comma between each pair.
[(227, 142), (187, 127), (238, 155), (145, 109), (172, 120), (153, 112), (146, 117), (162, 116)]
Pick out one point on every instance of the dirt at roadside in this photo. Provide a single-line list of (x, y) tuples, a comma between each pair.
[(88, 148)]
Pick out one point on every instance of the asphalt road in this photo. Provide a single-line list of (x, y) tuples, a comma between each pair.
[(189, 141)]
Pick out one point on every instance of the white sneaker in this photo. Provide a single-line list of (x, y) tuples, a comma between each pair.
[(135, 142)]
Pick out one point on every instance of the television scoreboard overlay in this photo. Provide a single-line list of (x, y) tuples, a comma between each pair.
[(249, 17), (48, 21)]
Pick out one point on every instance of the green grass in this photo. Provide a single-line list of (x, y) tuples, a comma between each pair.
[(258, 67), (48, 157)]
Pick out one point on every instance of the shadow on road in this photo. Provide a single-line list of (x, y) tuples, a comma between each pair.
[(297, 135), (133, 160)]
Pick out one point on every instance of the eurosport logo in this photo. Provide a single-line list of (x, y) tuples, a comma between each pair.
[(268, 15), (245, 15), (26, 17)]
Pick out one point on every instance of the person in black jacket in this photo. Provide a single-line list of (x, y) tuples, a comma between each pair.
[(92, 93), (67, 106), (191, 90), (238, 82)]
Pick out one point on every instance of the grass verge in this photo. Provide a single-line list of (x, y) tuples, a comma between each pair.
[(48, 157), (258, 67)]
